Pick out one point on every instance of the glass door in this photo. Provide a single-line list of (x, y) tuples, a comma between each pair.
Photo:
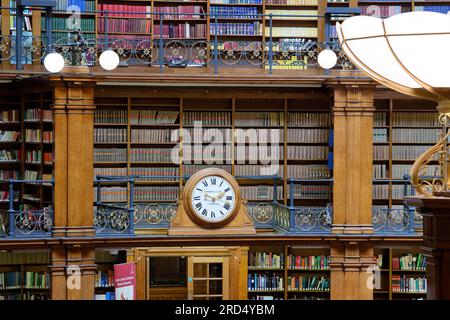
[(208, 278)]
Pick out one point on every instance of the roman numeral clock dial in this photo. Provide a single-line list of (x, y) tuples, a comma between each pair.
[(213, 198)]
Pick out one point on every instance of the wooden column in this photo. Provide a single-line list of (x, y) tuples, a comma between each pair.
[(351, 263), (353, 153), (73, 127), (73, 267), (351, 259)]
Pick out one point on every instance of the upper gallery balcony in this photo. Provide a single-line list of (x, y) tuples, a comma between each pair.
[(182, 37)]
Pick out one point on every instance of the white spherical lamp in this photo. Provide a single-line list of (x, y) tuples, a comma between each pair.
[(327, 59), (54, 62), (109, 60)]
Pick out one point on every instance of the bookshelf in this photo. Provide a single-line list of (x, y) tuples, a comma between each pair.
[(24, 276), (125, 130), (400, 274), (289, 272), (403, 130), (104, 278)]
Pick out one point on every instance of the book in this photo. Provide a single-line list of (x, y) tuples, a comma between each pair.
[(265, 260)]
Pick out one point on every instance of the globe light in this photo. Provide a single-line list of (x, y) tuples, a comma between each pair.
[(327, 59), (109, 60), (54, 62)]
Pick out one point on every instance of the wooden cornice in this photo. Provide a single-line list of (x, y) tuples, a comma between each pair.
[(164, 240)]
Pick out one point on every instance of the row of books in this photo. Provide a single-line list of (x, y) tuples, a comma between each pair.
[(10, 280), (308, 262), (144, 116), (236, 1), (210, 154), (234, 12), (104, 279), (105, 296), (37, 114), (151, 155), (35, 156), (35, 257), (410, 262), (236, 28), (110, 135), (383, 11), (57, 36), (265, 281), (183, 30), (307, 152), (259, 170), (380, 135), (380, 152), (258, 135), (124, 25), (381, 191), (31, 175), (154, 135), (9, 174), (110, 172), (253, 154), (433, 8), (84, 5), (160, 193), (312, 192), (292, 15), (250, 119), (9, 155), (190, 169), (292, 32), (9, 116), (265, 260), (308, 119), (399, 170), (207, 118), (110, 116), (36, 280), (125, 11), (307, 135), (25, 296), (311, 171), (184, 12), (110, 155), (260, 192), (217, 135), (163, 173), (380, 119), (293, 2), (65, 24), (110, 194), (379, 171), (4, 196), (26, 23), (408, 152), (308, 283), (415, 135), (415, 119), (404, 283), (8, 136), (37, 135)]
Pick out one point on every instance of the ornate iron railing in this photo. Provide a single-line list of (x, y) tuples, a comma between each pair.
[(393, 220), (156, 50), (18, 222)]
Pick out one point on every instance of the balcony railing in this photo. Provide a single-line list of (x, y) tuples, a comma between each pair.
[(219, 49), (29, 223)]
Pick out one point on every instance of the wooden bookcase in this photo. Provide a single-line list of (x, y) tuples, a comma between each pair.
[(34, 149), (104, 279), (31, 277), (403, 130), (230, 117), (301, 272), (386, 271)]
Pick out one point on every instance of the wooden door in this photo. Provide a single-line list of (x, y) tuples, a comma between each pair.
[(208, 278)]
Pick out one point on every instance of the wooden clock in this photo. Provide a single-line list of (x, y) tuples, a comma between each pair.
[(211, 203)]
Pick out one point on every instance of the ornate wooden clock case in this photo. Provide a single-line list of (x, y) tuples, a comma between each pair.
[(211, 204)]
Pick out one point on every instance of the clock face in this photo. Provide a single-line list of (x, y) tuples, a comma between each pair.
[(213, 199)]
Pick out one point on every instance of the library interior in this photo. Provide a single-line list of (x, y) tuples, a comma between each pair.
[(201, 147)]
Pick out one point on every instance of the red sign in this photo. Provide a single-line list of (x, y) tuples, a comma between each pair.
[(125, 281)]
